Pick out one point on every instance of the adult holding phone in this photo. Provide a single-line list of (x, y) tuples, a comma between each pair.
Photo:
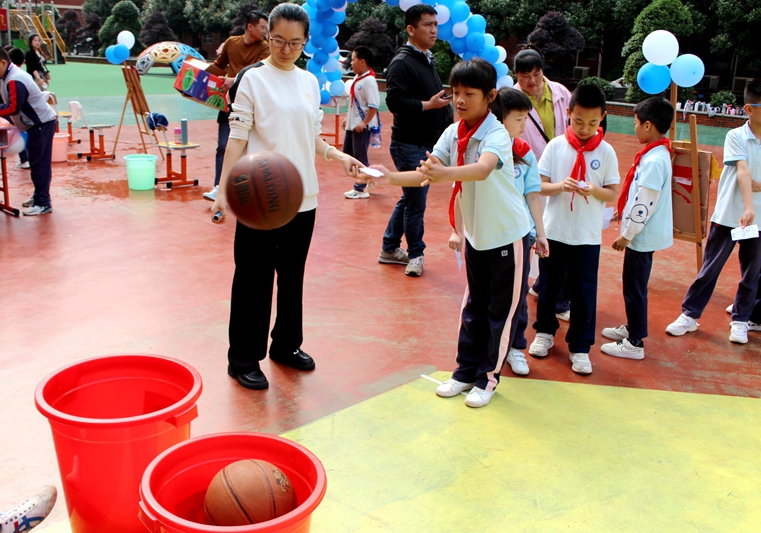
[(276, 109), (416, 98)]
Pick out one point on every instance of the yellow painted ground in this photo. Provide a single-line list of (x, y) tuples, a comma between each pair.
[(542, 457)]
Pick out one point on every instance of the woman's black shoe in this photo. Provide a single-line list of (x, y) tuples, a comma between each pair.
[(254, 380)]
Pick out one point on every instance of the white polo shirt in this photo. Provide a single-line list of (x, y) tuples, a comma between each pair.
[(739, 145), (367, 95), (527, 180), (493, 212), (583, 225)]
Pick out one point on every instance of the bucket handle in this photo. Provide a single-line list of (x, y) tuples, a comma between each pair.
[(184, 418), (146, 517)]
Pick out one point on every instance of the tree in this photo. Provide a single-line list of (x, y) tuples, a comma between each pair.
[(208, 16), (173, 10), (86, 37), (124, 16), (357, 13), (372, 34), (241, 13), (156, 30), (559, 43), (737, 22), (103, 8), (669, 15), (67, 26)]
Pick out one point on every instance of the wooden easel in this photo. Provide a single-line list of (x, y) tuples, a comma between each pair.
[(692, 147), (136, 97)]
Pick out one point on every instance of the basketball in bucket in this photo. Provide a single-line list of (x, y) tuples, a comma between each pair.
[(110, 417), (141, 171), (175, 484)]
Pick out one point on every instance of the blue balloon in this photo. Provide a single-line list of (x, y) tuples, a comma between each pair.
[(110, 55), (338, 17), (476, 23), (324, 15), (475, 41), (311, 10), (653, 79), (445, 30), (392, 3), (121, 52), (687, 70), (310, 49), (331, 45), (337, 88), (329, 29), (459, 12), (314, 67), (458, 45), (490, 54), (468, 55), (322, 5), (315, 28), (324, 97), (448, 3), (352, 1), (309, 3), (320, 57), (501, 69), (334, 76), (336, 4), (489, 40), (322, 79), (319, 41)]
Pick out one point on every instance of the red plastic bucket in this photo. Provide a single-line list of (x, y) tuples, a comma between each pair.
[(175, 483), (111, 416)]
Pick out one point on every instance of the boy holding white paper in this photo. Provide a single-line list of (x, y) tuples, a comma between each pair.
[(644, 208), (738, 199)]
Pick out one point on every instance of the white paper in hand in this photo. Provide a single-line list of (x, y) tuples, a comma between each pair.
[(748, 232), (459, 259), (607, 216), (371, 172)]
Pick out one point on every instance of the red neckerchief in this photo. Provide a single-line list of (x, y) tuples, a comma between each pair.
[(632, 171), (580, 165), (520, 147), (463, 136), (370, 72)]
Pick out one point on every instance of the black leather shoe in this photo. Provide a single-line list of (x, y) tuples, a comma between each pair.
[(299, 360), (254, 380)]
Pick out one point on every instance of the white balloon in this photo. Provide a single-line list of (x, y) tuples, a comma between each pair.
[(126, 38), (504, 81), (460, 29), (502, 54), (442, 14), (660, 47), (336, 33), (332, 65), (406, 4)]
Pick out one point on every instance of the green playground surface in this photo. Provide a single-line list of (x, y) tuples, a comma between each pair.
[(101, 90)]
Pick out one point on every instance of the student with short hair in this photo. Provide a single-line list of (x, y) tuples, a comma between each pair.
[(737, 200), (579, 173), (364, 100), (644, 209), (17, 58)]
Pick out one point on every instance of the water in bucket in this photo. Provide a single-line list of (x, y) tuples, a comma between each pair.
[(141, 171)]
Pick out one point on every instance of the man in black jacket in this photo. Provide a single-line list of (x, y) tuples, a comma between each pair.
[(416, 97)]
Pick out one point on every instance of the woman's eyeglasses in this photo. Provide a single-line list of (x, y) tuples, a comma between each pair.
[(280, 43)]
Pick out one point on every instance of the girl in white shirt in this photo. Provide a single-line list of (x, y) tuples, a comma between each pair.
[(276, 109)]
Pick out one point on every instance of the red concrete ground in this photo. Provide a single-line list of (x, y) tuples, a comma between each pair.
[(119, 271)]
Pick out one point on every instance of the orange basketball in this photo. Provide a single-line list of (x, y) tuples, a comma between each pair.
[(248, 492), (264, 190)]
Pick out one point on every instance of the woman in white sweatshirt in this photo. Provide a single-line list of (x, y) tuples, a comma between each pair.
[(276, 109)]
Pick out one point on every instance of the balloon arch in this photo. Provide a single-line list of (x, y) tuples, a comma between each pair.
[(465, 33)]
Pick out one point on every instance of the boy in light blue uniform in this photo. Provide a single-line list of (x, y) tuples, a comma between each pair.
[(646, 223), (738, 199)]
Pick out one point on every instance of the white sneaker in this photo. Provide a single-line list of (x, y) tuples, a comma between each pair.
[(541, 345), (28, 203), (682, 325), (752, 326), (478, 397), (565, 317), (517, 362), (415, 267), (616, 334), (212, 194), (729, 309), (581, 363), (25, 164), (738, 332), (452, 387), (37, 210), (623, 349), (30, 513), (356, 195)]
